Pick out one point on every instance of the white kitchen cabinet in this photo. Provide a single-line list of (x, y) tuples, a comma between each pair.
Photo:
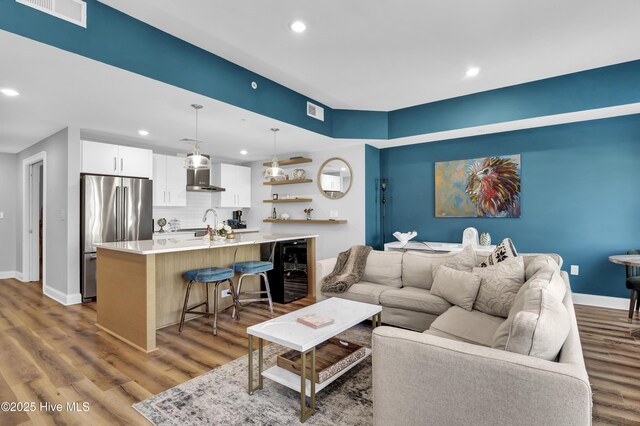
[(331, 183), (169, 181), (108, 159), (236, 180)]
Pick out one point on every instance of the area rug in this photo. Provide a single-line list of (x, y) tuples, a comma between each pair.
[(220, 396)]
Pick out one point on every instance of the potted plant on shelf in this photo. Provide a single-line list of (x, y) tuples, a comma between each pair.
[(308, 211)]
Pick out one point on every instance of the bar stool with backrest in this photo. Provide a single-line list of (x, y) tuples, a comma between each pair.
[(249, 268), (213, 275), (633, 284)]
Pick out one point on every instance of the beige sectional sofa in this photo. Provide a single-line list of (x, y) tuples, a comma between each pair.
[(448, 365)]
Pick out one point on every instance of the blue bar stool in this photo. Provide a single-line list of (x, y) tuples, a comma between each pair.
[(249, 268), (207, 276)]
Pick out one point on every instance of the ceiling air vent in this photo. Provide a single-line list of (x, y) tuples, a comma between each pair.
[(315, 111), (74, 11)]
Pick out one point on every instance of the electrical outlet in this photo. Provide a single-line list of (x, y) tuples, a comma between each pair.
[(333, 213), (575, 270), (226, 293)]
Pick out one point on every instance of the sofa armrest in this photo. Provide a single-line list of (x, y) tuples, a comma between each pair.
[(323, 268), (420, 378)]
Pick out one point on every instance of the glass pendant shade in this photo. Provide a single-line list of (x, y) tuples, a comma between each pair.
[(196, 161), (275, 171)]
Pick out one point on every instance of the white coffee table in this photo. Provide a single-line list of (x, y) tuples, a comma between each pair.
[(288, 332)]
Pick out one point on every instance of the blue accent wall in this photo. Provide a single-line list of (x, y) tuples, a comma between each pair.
[(580, 194), (372, 197)]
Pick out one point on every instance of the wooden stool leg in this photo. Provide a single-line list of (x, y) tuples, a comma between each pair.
[(186, 303), (637, 301), (632, 302)]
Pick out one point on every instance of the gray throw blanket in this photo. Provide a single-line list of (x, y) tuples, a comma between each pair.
[(348, 270)]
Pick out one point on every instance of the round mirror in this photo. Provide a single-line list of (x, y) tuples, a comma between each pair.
[(334, 178)]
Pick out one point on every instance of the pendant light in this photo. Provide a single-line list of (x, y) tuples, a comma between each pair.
[(274, 172), (195, 160)]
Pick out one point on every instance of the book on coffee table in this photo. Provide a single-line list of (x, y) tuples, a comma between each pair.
[(314, 320)]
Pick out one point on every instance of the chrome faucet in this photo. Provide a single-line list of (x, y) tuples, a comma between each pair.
[(215, 216)]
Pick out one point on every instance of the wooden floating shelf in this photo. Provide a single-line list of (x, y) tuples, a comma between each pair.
[(287, 181), (290, 162), (323, 221), (290, 200)]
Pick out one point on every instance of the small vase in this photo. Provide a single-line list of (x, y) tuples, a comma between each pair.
[(485, 239), (308, 216)]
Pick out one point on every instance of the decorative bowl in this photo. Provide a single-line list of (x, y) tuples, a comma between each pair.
[(406, 236), (285, 216)]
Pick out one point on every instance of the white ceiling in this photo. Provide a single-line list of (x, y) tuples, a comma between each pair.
[(385, 55), (60, 89)]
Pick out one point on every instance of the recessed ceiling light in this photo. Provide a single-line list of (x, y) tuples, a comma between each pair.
[(344, 169), (298, 26), (244, 152), (143, 133), (9, 92), (472, 71)]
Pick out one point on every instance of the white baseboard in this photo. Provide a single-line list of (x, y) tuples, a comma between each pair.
[(19, 276), (601, 301), (60, 297), (8, 274)]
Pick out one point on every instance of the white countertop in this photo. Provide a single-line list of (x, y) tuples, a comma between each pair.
[(170, 245)]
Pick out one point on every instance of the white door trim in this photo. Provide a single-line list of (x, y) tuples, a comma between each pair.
[(34, 215), (26, 219)]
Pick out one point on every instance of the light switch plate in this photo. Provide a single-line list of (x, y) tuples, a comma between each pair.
[(1, 215), (575, 270), (333, 213)]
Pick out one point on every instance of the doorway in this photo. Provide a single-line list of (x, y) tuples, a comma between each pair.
[(34, 205)]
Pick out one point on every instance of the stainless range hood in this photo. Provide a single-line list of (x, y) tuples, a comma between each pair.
[(200, 181)]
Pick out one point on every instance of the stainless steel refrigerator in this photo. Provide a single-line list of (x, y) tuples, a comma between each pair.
[(113, 209)]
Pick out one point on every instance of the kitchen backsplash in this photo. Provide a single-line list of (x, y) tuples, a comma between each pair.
[(191, 215)]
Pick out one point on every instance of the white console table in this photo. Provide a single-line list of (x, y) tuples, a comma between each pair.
[(432, 247)]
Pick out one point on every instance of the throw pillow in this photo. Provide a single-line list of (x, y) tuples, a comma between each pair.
[(500, 284), (541, 327), (463, 261), (456, 287), (502, 252)]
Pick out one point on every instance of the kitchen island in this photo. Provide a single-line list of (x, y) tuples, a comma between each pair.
[(140, 287)]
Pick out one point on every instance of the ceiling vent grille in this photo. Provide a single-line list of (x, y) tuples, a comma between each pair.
[(315, 111), (74, 11)]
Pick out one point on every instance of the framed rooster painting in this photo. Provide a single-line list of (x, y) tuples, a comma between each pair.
[(480, 187)]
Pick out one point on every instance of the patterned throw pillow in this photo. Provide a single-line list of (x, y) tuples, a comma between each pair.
[(499, 287), (503, 251)]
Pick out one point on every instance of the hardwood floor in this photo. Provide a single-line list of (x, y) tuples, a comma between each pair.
[(54, 354), (612, 356)]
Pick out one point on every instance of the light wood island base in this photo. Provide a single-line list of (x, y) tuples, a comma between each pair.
[(138, 293)]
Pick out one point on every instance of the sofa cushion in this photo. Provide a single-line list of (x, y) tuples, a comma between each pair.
[(541, 327), (463, 261), (555, 284), (470, 326), (500, 284), (362, 292), (503, 251), (417, 268), (384, 267), (538, 264), (457, 287), (414, 299), (438, 333)]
